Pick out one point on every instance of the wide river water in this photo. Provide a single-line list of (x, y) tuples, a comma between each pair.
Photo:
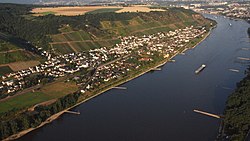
[(158, 106)]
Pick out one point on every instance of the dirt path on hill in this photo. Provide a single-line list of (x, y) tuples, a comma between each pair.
[(14, 50)]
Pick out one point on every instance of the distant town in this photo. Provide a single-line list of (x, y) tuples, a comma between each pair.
[(233, 10)]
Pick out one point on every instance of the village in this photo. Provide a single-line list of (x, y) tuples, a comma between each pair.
[(232, 10), (237, 11), (131, 54)]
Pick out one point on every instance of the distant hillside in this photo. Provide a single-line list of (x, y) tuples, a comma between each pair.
[(62, 34), (103, 29)]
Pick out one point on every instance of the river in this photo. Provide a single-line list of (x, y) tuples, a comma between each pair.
[(158, 106)]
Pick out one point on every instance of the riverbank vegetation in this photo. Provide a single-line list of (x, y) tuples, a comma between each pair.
[(14, 122), (237, 112), (40, 95)]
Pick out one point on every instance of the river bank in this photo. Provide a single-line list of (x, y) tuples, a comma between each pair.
[(158, 64)]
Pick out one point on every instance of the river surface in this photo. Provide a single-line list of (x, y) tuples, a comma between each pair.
[(158, 106)]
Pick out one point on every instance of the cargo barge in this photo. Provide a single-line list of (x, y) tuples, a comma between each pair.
[(200, 68)]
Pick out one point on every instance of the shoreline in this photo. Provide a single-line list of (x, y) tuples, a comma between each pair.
[(57, 115)]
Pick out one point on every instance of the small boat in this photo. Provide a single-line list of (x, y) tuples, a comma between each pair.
[(234, 70), (200, 68), (230, 24)]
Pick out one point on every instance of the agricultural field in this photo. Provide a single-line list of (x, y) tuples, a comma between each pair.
[(80, 10), (71, 36), (107, 30), (15, 56), (6, 46), (79, 46), (138, 9), (104, 10), (62, 48), (46, 93), (11, 53), (16, 66), (77, 41), (47, 13)]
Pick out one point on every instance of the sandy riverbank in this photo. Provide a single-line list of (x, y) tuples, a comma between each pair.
[(57, 115)]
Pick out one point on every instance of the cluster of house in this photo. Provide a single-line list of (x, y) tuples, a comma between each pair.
[(234, 10), (175, 40), (54, 67), (104, 59), (110, 72), (242, 12), (136, 48)]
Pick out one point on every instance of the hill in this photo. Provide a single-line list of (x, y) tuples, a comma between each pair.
[(66, 34), (105, 29)]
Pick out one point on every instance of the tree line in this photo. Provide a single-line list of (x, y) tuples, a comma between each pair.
[(14, 122)]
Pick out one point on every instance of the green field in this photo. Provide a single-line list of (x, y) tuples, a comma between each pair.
[(83, 46), (104, 10), (59, 38), (6, 46), (48, 13), (63, 48), (48, 92), (11, 53), (65, 28), (6, 58), (23, 101), (5, 70), (71, 36), (84, 35)]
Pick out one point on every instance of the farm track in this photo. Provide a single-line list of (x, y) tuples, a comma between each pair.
[(30, 89), (14, 50), (16, 66)]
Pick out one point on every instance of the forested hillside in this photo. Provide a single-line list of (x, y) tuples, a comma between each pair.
[(237, 112), (14, 20)]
